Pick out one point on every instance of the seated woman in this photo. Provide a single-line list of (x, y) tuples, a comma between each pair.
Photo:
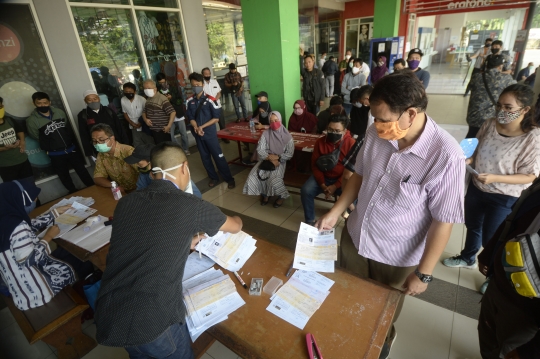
[(301, 120), (361, 117), (275, 145), (31, 273), (261, 117), (327, 174), (379, 71)]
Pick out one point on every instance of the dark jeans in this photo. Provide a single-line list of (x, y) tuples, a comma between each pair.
[(160, 136), (209, 148), (221, 121), (309, 191), (313, 107), (16, 172), (484, 212), (83, 269), (472, 132), (173, 343), (61, 165), (239, 101), (474, 71)]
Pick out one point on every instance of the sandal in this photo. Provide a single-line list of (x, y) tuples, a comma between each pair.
[(231, 185), (212, 183)]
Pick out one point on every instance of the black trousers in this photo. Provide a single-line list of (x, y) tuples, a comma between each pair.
[(61, 165), (16, 172), (472, 132), (474, 71), (160, 136)]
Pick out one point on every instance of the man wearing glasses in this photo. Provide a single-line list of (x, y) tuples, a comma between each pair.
[(110, 163)]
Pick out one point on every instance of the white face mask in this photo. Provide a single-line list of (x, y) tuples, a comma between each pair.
[(149, 92), (357, 104), (189, 188), (355, 70), (348, 57)]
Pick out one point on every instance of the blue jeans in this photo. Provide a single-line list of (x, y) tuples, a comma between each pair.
[(484, 213), (309, 191), (237, 102), (348, 108), (181, 125), (173, 343)]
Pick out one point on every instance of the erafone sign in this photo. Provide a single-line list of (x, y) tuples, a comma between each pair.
[(468, 4)]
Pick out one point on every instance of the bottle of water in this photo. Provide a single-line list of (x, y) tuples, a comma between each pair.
[(252, 125), (115, 191)]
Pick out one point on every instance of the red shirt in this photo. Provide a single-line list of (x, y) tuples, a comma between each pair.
[(323, 147)]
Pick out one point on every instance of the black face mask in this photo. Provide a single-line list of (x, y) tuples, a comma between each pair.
[(129, 95), (207, 78), (333, 137), (43, 109), (494, 51)]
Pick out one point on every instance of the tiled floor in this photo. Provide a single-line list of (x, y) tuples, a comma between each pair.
[(425, 330)]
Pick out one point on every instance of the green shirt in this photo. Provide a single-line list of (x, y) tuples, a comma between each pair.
[(8, 136)]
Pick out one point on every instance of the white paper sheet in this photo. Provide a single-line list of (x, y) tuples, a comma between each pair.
[(196, 265), (90, 237), (230, 251), (313, 279), (315, 251)]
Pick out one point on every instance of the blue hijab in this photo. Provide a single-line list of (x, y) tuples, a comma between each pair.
[(13, 199)]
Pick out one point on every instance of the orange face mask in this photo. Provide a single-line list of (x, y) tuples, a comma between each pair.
[(390, 131)]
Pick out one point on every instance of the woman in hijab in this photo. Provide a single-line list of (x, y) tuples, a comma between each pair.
[(276, 146), (301, 120), (32, 275), (262, 115), (380, 70)]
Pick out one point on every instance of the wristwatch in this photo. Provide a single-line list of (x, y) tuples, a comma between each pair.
[(425, 278)]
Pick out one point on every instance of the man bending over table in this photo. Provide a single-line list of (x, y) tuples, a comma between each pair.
[(139, 306), (110, 164)]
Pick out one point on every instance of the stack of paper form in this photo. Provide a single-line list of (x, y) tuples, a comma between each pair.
[(300, 297), (209, 296), (85, 201), (315, 251), (230, 251), (90, 236)]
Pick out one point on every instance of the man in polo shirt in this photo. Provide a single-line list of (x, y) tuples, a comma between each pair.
[(409, 182), (203, 113), (110, 164), (158, 113), (133, 106), (211, 88), (139, 306)]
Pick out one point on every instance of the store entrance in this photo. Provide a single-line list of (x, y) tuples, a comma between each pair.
[(451, 43)]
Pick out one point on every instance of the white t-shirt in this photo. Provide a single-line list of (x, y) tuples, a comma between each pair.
[(133, 108), (365, 70), (212, 88)]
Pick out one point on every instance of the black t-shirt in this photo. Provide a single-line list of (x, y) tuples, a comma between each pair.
[(141, 288), (359, 121)]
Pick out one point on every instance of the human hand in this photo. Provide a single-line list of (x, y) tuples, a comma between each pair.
[(413, 285), (22, 146), (169, 96), (321, 103), (331, 189), (275, 162), (51, 233), (196, 239), (167, 129), (469, 161), (148, 122), (259, 126), (14, 144), (200, 131), (512, 355), (486, 178), (327, 221), (483, 268)]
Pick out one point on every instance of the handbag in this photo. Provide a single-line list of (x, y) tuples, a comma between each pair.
[(266, 165), (327, 162)]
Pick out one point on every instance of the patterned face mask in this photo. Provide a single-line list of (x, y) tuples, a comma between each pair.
[(504, 117)]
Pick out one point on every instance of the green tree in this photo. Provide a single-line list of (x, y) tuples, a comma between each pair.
[(216, 40)]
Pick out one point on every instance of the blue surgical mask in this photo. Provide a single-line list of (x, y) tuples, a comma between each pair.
[(30, 208)]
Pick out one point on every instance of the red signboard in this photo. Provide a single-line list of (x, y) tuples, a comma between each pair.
[(438, 7)]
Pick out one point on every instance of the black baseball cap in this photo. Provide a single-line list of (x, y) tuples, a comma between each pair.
[(261, 94), (415, 51), (141, 152), (232, 66)]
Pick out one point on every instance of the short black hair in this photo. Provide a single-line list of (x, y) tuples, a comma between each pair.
[(336, 100), (40, 96), (400, 61), (331, 58), (160, 76), (232, 66), (206, 68), (488, 39), (102, 127), (358, 60), (358, 93), (497, 42), (343, 119), (129, 85), (195, 76), (400, 91)]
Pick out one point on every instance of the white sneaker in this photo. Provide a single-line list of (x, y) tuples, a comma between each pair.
[(458, 262)]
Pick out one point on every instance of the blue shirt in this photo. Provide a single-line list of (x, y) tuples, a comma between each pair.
[(209, 110), (144, 181), (423, 76)]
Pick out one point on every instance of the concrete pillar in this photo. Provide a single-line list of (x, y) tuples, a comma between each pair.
[(386, 18), (272, 47), (195, 35)]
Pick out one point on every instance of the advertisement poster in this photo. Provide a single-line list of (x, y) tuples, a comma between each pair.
[(25, 69)]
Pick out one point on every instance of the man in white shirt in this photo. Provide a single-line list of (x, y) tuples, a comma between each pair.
[(322, 60), (211, 88), (132, 106), (364, 68)]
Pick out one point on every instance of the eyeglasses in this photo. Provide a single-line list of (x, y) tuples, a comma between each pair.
[(94, 142), (499, 107)]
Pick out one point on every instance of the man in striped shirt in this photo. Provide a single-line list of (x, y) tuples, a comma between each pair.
[(409, 180), (158, 113)]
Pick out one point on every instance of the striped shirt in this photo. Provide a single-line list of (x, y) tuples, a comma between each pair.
[(403, 191), (31, 274), (158, 110)]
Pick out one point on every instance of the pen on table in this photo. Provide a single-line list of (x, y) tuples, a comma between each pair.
[(240, 279), (290, 270), (406, 179)]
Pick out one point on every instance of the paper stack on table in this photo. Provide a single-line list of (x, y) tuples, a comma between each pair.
[(210, 296), (315, 251), (69, 219), (85, 201), (300, 297), (90, 236), (230, 251)]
